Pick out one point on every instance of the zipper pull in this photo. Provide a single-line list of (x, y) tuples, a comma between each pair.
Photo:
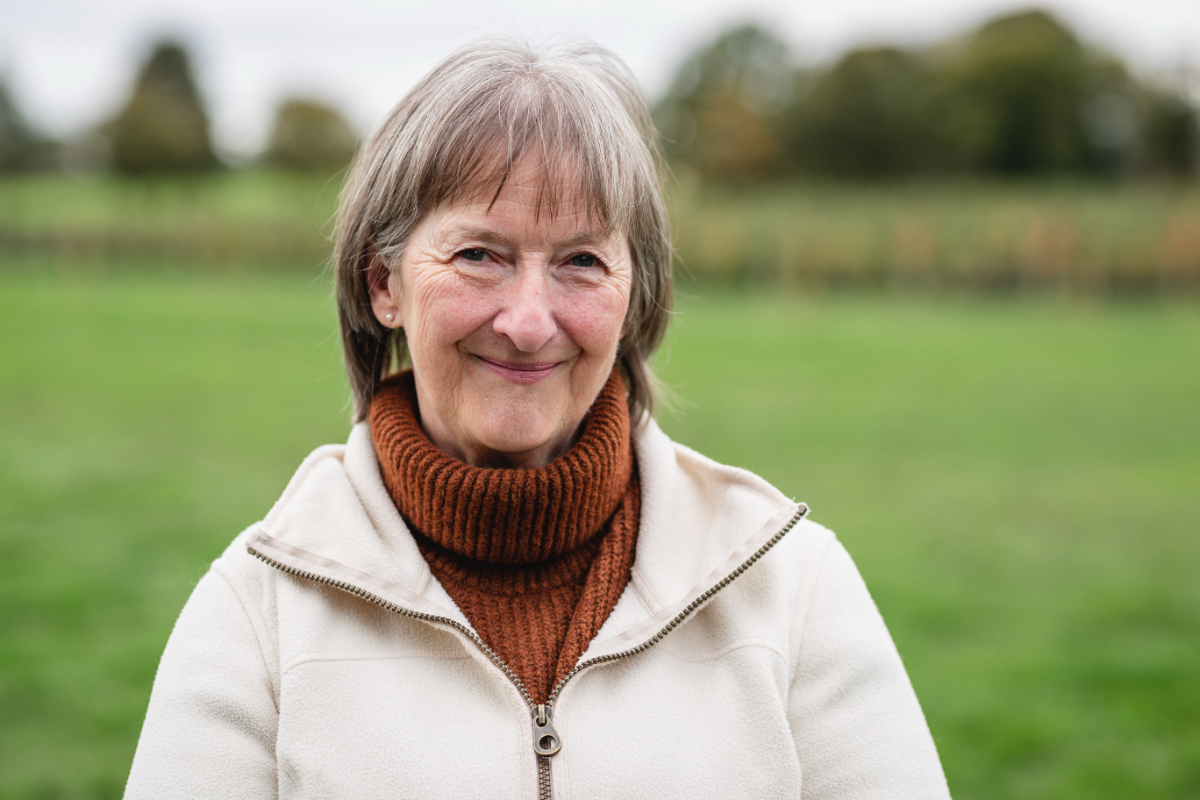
[(546, 741)]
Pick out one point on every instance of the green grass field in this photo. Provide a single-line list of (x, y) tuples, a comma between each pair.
[(1018, 480)]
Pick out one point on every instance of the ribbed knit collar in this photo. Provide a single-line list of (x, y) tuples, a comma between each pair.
[(503, 516)]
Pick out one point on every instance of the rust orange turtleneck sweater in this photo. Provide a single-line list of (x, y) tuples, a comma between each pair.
[(535, 558)]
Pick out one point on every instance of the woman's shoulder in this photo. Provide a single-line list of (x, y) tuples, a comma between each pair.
[(316, 495), (701, 517), (334, 516), (727, 497), (670, 470)]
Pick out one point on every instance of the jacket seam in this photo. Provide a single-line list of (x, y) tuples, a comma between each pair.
[(236, 585), (643, 592), (446, 655), (760, 643)]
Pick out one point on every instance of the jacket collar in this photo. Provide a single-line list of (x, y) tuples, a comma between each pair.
[(700, 521)]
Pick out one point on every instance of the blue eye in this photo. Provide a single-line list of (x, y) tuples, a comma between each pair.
[(583, 260), (473, 254)]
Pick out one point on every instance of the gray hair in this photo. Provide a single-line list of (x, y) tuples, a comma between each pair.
[(462, 130)]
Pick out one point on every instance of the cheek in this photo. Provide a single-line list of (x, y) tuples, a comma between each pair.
[(441, 310), (594, 319)]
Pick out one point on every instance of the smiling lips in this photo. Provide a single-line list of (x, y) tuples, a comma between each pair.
[(520, 373)]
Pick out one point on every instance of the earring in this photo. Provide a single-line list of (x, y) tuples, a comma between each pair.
[(388, 317)]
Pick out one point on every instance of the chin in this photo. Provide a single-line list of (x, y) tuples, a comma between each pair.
[(516, 433)]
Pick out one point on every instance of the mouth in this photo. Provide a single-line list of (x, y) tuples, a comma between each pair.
[(520, 373)]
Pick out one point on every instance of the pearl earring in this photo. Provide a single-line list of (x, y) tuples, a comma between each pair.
[(388, 317)]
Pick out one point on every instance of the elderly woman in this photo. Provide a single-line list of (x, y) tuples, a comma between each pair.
[(510, 582)]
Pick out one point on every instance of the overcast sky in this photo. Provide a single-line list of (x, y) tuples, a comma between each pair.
[(70, 62)]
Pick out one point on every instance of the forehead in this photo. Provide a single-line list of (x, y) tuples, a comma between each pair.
[(554, 185), (534, 194)]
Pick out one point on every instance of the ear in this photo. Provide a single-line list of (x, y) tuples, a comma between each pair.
[(384, 288)]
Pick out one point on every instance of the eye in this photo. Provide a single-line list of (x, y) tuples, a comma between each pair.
[(473, 254), (583, 260)]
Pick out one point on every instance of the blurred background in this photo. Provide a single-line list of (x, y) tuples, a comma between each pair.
[(938, 275)]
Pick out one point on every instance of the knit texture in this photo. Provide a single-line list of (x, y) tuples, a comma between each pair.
[(535, 558)]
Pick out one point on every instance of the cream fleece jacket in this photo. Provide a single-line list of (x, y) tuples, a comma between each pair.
[(318, 658)]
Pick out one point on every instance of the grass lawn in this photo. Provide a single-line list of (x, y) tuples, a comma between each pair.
[(1019, 482)]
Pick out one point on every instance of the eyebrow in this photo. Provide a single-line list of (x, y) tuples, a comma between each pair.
[(489, 236)]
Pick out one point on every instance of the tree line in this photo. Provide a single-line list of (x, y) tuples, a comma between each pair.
[(1022, 95), (164, 128)]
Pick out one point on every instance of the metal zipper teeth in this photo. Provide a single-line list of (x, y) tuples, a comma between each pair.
[(544, 790), (679, 618), (379, 601)]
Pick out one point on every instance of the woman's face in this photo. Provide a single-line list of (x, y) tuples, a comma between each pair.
[(512, 315)]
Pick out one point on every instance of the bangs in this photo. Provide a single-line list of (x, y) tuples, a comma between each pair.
[(531, 125)]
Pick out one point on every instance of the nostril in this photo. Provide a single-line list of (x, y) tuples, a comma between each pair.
[(528, 322)]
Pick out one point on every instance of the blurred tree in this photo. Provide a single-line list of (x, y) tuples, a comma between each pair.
[(722, 112), (1171, 134), (21, 148), (871, 115), (309, 135), (163, 128), (1020, 96), (1021, 85)]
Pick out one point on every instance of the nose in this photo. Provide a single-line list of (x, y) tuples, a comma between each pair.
[(526, 317)]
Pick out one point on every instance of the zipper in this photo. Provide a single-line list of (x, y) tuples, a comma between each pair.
[(679, 618), (546, 741)]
